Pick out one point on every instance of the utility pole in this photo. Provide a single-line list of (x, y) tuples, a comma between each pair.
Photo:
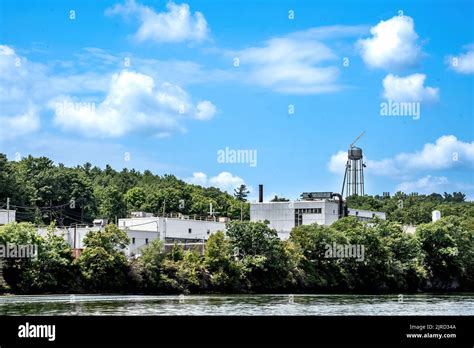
[(8, 210), (164, 207), (241, 211)]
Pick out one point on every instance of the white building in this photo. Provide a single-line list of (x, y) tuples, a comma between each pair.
[(317, 207), (143, 230), (283, 216), (366, 215), (7, 216)]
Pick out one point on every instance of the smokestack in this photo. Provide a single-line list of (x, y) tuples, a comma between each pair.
[(260, 193)]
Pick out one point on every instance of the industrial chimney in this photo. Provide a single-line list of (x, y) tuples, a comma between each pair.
[(260, 193)]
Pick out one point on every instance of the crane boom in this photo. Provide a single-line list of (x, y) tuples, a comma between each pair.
[(356, 139)]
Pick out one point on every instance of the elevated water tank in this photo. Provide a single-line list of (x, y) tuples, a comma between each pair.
[(354, 153)]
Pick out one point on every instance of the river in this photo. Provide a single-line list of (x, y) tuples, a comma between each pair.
[(320, 304)]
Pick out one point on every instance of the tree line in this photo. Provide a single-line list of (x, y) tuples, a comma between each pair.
[(42, 192), (250, 258)]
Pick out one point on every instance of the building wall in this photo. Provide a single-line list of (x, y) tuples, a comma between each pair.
[(147, 229), (4, 216), (281, 215), (366, 215)]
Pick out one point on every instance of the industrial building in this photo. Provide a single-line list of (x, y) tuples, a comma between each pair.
[(322, 208), (143, 230), (180, 229)]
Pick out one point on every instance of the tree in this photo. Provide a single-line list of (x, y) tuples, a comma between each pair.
[(51, 270), (103, 264), (218, 258), (263, 258), (111, 204), (241, 193), (447, 246), (135, 199)]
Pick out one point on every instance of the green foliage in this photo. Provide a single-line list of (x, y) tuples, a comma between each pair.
[(415, 209), (241, 193), (46, 189), (448, 252), (264, 259), (103, 264), (52, 269)]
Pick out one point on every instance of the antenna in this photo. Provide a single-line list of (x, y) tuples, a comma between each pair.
[(356, 139)]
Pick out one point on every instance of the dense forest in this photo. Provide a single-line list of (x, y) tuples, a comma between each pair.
[(42, 192)]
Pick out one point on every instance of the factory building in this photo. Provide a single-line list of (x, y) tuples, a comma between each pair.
[(322, 208), (180, 229)]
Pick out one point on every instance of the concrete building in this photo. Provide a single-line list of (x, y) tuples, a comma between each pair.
[(7, 216), (283, 216), (322, 208), (180, 229), (365, 215)]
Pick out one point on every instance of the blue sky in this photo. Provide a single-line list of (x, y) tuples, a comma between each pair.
[(164, 86)]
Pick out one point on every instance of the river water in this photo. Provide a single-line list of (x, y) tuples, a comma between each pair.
[(424, 304)]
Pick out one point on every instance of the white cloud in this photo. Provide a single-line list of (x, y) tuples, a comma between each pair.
[(447, 152), (224, 181), (464, 62), (178, 24), (14, 126), (291, 66), (18, 112), (431, 184), (337, 162), (408, 89), (205, 110), (393, 44), (133, 102)]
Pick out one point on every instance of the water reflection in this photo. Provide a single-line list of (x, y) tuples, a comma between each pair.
[(426, 304)]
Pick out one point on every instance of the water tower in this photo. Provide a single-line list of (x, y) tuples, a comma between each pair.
[(354, 176)]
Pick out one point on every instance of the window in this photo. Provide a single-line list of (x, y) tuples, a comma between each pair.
[(146, 241), (190, 230), (133, 240)]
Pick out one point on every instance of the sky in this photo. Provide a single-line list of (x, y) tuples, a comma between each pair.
[(178, 87)]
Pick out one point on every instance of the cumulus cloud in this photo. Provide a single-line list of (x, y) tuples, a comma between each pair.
[(18, 114), (464, 62), (393, 44), (178, 24), (18, 125), (447, 152), (410, 88), (224, 180), (133, 102), (429, 184), (291, 66)]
